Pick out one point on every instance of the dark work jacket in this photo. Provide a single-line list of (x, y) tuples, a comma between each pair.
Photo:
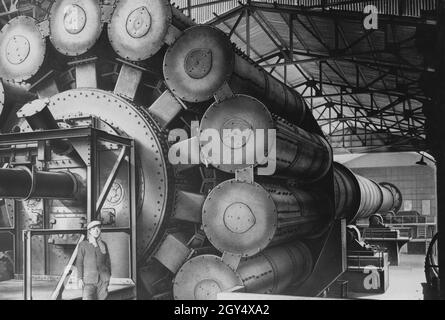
[(91, 263)]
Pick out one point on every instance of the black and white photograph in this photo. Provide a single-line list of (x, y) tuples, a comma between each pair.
[(222, 155)]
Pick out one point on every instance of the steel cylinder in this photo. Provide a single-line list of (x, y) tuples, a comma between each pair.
[(387, 200), (347, 192), (54, 185), (270, 272), (138, 28), (371, 198), (11, 94), (23, 49), (357, 197), (202, 59), (245, 125), (245, 218), (21, 183)]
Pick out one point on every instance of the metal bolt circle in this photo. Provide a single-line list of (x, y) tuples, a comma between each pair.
[(18, 49), (139, 22)]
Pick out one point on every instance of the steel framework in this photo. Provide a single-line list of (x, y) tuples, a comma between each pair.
[(362, 85)]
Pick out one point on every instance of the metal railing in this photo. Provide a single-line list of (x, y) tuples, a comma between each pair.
[(404, 220), (357, 260)]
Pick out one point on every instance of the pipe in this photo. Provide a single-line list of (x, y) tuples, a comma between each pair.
[(12, 94), (357, 197), (270, 272), (202, 59), (23, 49), (21, 183), (243, 218), (15, 183)]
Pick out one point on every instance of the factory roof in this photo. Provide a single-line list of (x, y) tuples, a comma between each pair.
[(361, 85)]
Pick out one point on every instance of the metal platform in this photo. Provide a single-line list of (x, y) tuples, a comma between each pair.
[(42, 290)]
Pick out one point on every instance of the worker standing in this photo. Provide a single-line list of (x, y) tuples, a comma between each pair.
[(93, 264)]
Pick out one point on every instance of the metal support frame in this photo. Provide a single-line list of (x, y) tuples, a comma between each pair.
[(91, 136)]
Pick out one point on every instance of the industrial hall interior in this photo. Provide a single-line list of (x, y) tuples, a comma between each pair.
[(222, 149)]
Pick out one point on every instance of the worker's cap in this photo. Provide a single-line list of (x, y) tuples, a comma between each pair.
[(93, 224)]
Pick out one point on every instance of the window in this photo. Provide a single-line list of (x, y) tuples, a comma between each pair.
[(407, 205), (426, 207)]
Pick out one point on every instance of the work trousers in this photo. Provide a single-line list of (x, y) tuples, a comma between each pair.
[(97, 291)]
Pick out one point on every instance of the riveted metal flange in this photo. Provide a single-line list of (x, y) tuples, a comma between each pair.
[(238, 120), (22, 49), (199, 63), (239, 218), (75, 25), (138, 28), (203, 277)]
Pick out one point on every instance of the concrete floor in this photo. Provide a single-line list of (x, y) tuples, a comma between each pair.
[(42, 290), (405, 280)]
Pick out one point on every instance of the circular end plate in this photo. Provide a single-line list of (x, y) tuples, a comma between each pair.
[(307, 263), (199, 63), (237, 121), (239, 218), (75, 25), (22, 49), (138, 28), (202, 278), (153, 170)]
